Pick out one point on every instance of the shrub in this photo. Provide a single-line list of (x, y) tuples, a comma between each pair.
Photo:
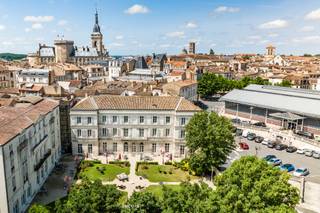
[(168, 163), (120, 163), (145, 167), (144, 163)]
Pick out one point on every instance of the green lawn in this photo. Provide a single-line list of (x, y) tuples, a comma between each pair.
[(157, 189), (163, 173), (109, 174)]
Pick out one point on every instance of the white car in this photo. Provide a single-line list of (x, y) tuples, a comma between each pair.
[(245, 133), (265, 142), (301, 151), (301, 172)]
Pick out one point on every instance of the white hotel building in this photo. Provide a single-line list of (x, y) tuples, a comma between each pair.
[(29, 148), (122, 125)]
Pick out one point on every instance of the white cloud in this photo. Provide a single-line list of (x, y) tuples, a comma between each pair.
[(276, 24), (36, 26), (191, 24), (225, 9), (62, 22), (38, 19), (119, 37), (137, 8), (2, 27), (165, 45), (27, 30), (307, 39), (254, 37), (7, 43), (177, 34), (115, 44), (213, 45), (313, 15), (307, 28), (273, 35)]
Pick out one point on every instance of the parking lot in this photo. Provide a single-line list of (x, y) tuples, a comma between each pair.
[(298, 160)]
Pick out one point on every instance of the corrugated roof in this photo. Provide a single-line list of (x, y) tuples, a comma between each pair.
[(105, 102), (300, 101)]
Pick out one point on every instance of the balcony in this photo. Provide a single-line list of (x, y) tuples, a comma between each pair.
[(42, 160), (22, 145), (43, 139)]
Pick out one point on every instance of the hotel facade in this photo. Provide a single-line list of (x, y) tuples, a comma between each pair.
[(123, 125), (29, 149)]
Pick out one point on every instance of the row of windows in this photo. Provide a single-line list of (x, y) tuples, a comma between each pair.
[(104, 132), (133, 148), (126, 119)]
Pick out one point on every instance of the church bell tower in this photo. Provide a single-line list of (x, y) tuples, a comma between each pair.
[(96, 36)]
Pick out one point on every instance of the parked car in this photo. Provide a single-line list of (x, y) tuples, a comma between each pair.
[(281, 146), (305, 134), (245, 133), (244, 146), (258, 139), (291, 149), (274, 161), (308, 153), (287, 167), (245, 122), (260, 124), (316, 155), (301, 172), (239, 132), (268, 157), (236, 120), (271, 144), (251, 136), (301, 150), (265, 142)]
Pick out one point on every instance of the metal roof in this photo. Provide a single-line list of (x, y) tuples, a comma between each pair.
[(287, 116), (299, 101)]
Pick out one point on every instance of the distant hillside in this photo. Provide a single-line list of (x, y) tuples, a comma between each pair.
[(12, 56)]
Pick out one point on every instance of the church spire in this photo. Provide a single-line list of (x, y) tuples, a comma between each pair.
[(96, 27)]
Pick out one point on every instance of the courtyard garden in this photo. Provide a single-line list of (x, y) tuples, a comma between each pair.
[(157, 190), (95, 170), (163, 173)]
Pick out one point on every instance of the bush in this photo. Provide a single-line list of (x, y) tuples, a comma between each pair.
[(120, 163), (144, 163), (145, 167), (168, 163)]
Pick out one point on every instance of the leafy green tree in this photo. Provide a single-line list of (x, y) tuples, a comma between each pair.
[(36, 208), (211, 52), (92, 197), (284, 83), (251, 185), (191, 198), (142, 202), (210, 140)]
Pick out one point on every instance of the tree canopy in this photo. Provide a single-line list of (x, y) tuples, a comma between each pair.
[(91, 197), (210, 140), (210, 84), (142, 202), (251, 185), (36, 208)]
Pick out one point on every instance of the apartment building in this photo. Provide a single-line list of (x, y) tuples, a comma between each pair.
[(122, 125), (29, 149), (41, 77)]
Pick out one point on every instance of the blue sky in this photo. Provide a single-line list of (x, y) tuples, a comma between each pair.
[(166, 26)]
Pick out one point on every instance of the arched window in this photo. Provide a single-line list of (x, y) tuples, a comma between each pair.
[(134, 148), (125, 147), (141, 147)]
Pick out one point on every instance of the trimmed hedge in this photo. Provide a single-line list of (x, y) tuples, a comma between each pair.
[(125, 163), (144, 163)]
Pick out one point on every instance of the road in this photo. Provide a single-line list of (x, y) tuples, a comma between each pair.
[(297, 160)]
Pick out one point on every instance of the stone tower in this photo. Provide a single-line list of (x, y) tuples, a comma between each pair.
[(192, 48), (96, 36), (271, 50), (63, 50)]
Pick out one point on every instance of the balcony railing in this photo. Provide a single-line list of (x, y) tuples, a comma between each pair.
[(42, 160)]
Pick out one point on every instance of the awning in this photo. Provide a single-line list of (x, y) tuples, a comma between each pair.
[(287, 116)]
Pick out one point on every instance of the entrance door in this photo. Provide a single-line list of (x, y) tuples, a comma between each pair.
[(292, 125)]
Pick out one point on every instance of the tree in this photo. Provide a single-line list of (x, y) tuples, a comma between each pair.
[(91, 197), (284, 83), (251, 185), (211, 52), (142, 202), (190, 198), (36, 208), (210, 140)]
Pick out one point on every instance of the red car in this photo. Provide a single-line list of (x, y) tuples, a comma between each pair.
[(244, 146)]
